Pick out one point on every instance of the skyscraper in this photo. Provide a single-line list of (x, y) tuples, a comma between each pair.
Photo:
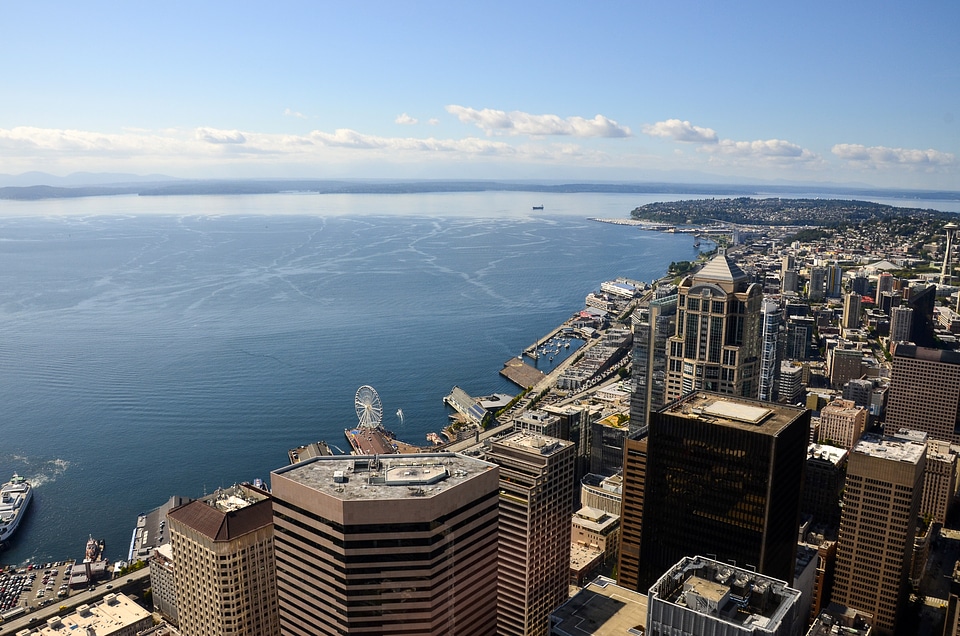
[(536, 505), (717, 343), (901, 324), (925, 391), (834, 280), (652, 329), (223, 555), (817, 284), (881, 501), (769, 350), (800, 330), (631, 513), (851, 311), (401, 544), (721, 476)]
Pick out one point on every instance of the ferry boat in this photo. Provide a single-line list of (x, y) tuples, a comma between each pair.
[(15, 496)]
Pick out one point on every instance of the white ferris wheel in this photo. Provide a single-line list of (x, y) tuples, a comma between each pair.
[(369, 408)]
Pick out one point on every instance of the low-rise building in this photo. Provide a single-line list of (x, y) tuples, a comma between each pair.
[(602, 493), (703, 596), (115, 615), (605, 608)]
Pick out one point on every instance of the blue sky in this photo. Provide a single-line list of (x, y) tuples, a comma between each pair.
[(832, 92)]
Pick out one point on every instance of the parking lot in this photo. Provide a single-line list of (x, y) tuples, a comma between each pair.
[(35, 585)]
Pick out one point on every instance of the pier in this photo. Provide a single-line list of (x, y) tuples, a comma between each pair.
[(467, 406)]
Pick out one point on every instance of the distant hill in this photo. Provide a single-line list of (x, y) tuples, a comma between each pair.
[(775, 211), (37, 185)]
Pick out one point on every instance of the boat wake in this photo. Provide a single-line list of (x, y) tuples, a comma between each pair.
[(37, 472)]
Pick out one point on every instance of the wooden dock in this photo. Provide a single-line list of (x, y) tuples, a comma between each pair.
[(521, 373)]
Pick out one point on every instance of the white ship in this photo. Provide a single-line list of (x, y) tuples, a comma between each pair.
[(15, 496)]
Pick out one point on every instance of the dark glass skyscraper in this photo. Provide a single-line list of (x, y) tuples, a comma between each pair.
[(722, 477)]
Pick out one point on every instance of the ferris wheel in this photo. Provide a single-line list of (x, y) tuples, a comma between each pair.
[(369, 408)]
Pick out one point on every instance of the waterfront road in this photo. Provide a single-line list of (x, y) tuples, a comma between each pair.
[(130, 584)]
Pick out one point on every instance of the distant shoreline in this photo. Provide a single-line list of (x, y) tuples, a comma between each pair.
[(278, 186)]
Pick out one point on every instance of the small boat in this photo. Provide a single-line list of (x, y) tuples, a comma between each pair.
[(94, 550), (538, 207)]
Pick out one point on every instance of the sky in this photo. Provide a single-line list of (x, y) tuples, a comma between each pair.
[(848, 93)]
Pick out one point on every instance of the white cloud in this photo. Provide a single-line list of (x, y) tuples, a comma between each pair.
[(881, 156), (496, 122), (292, 113), (433, 121), (681, 131), (405, 120), (770, 150), (214, 136)]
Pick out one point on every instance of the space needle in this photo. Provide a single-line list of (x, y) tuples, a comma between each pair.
[(945, 272)]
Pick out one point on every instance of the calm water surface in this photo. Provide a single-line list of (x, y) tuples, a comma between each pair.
[(161, 346), (152, 346)]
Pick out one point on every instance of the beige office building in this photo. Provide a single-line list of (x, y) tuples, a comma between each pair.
[(716, 346), (222, 550), (925, 391), (842, 423), (115, 615), (536, 505), (400, 544), (939, 481), (881, 502)]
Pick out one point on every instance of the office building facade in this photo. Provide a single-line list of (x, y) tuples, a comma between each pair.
[(881, 502), (401, 544), (717, 343), (722, 475), (924, 391), (223, 553), (842, 423), (769, 350), (536, 505), (652, 329)]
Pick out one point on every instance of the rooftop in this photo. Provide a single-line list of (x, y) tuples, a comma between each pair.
[(532, 442), (109, 616), (731, 594), (227, 513), (826, 452), (602, 608), (720, 268), (351, 477), (732, 411), (895, 448)]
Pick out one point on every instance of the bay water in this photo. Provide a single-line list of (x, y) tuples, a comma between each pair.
[(158, 346)]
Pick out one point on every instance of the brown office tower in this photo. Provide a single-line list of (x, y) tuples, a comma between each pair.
[(631, 513), (880, 505), (717, 343), (925, 392), (222, 549), (722, 477), (536, 504), (400, 544)]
